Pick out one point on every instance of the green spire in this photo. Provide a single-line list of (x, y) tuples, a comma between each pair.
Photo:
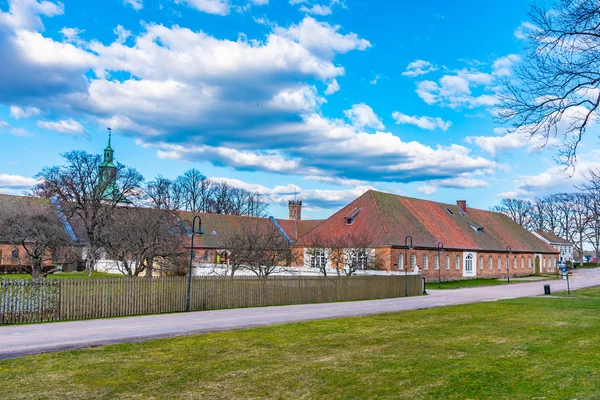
[(108, 171)]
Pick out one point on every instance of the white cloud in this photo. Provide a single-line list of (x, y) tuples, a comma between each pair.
[(503, 66), (555, 179), (23, 112), (26, 14), (218, 7), (71, 34), (20, 132), (16, 181), (361, 115), (317, 9), (70, 126), (122, 34), (423, 122), (3, 124), (468, 88), (135, 4), (427, 189), (332, 87), (375, 80), (419, 67), (524, 30)]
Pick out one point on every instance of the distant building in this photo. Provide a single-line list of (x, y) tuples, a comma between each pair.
[(563, 246)]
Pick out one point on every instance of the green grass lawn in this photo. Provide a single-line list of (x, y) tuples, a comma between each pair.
[(530, 348), (64, 275), (465, 283)]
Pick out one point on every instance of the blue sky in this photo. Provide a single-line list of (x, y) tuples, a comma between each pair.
[(327, 98)]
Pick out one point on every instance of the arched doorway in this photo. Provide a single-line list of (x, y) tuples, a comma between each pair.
[(537, 264)]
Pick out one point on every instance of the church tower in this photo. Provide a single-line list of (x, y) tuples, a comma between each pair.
[(108, 172)]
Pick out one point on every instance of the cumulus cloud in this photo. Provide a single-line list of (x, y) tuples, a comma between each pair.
[(317, 9), (428, 123), (16, 181), (247, 104), (467, 88), (524, 30), (69, 126), (419, 67), (555, 179), (135, 4), (361, 116), (23, 112)]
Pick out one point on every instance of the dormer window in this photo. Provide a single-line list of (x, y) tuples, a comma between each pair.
[(449, 211), (475, 227), (350, 217)]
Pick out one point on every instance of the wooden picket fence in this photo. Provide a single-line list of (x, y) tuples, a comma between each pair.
[(23, 301)]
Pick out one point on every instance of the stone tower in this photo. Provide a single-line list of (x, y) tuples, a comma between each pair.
[(295, 207)]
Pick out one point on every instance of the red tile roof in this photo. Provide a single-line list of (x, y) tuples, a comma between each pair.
[(296, 229), (552, 237), (386, 219)]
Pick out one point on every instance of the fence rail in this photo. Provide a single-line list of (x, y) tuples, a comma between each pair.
[(23, 301)]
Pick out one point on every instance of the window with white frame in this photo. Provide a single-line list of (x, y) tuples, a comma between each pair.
[(318, 260), (360, 260), (436, 262), (499, 263), (457, 261), (507, 263), (447, 262), (480, 262), (413, 261), (468, 263), (515, 262), (425, 262), (529, 265), (400, 261)]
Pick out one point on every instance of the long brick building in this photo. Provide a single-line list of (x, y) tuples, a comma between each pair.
[(451, 240)]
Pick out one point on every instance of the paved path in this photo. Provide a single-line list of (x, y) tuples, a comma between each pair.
[(19, 340)]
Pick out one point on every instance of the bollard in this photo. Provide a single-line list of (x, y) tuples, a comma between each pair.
[(546, 289)]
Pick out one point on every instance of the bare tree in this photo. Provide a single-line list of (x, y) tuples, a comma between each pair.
[(582, 219), (164, 194), (518, 210), (259, 249), (318, 254), (41, 235), (352, 253), (194, 190), (143, 240), (592, 188), (556, 93), (81, 189)]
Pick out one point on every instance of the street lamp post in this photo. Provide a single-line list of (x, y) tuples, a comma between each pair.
[(508, 251), (194, 233), (440, 250), (406, 247)]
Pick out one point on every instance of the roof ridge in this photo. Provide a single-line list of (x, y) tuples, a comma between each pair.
[(387, 235)]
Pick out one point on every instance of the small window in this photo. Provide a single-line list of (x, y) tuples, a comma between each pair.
[(490, 263), (351, 216), (507, 263), (206, 255), (400, 261), (449, 211), (499, 263), (413, 261), (425, 262), (436, 262), (515, 262), (522, 262), (458, 262), (480, 262), (15, 255), (529, 265), (317, 260), (447, 262)]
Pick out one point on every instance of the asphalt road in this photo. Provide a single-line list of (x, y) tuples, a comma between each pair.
[(20, 340)]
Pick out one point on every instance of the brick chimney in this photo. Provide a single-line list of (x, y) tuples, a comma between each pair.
[(462, 204), (295, 207)]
